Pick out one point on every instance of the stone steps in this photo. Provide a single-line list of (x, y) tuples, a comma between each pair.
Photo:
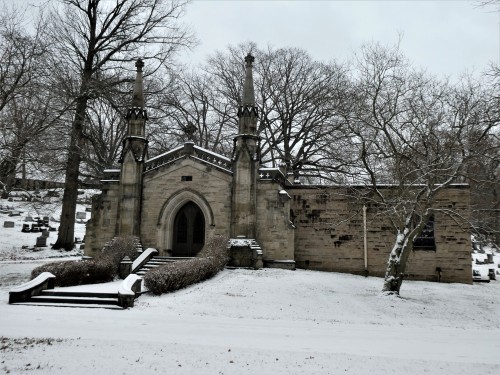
[(158, 261), (74, 299)]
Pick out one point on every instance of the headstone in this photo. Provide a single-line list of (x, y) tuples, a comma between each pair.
[(8, 224), (41, 241), (45, 233), (77, 240), (35, 228), (81, 215), (26, 228), (46, 218), (28, 218), (15, 213), (88, 209), (52, 229)]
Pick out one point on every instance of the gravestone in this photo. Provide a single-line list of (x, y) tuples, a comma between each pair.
[(35, 228), (26, 228), (8, 224), (41, 241), (15, 213), (45, 233), (28, 218), (81, 215)]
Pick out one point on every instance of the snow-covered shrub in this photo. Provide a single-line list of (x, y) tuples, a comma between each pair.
[(104, 267), (77, 272), (117, 249), (173, 276)]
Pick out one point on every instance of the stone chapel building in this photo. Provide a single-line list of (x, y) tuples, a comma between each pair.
[(175, 201)]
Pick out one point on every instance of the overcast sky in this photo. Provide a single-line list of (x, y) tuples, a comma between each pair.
[(444, 37)]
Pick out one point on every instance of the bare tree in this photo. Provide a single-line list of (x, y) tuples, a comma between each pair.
[(24, 102), (93, 39), (415, 133), (297, 98), (194, 109), (104, 131)]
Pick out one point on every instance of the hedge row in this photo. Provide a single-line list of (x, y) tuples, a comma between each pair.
[(103, 268), (173, 276), (69, 273)]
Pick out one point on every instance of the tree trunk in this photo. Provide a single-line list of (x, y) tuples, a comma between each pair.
[(66, 234), (396, 265), (8, 168)]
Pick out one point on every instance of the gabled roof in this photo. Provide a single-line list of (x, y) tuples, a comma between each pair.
[(190, 150)]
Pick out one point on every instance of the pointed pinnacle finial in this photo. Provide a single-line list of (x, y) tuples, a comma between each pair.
[(139, 64), (249, 59), (138, 98)]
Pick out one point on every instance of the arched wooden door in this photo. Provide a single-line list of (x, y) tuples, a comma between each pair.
[(189, 231)]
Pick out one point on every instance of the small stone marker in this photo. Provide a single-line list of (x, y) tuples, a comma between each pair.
[(41, 241), (26, 228), (8, 224), (88, 209), (45, 233), (28, 218), (15, 213), (81, 215)]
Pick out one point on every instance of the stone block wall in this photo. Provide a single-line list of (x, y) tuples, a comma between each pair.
[(330, 236), (275, 232), (170, 186), (101, 227)]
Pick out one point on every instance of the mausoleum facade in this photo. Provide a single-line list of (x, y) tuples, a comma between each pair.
[(175, 201)]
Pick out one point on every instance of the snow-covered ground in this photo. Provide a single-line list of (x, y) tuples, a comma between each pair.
[(258, 322)]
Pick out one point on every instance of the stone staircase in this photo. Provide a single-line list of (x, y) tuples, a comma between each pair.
[(40, 292), (53, 297), (158, 261)]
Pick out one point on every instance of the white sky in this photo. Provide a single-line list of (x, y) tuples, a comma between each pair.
[(444, 37)]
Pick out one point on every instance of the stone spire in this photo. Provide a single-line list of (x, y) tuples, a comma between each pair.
[(136, 114), (246, 159), (248, 93), (133, 156), (247, 112), (138, 97)]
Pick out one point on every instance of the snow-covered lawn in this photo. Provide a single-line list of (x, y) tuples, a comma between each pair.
[(265, 322), (259, 322)]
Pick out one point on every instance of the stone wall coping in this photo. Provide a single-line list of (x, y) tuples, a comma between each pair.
[(43, 277), (143, 258), (129, 285), (381, 186)]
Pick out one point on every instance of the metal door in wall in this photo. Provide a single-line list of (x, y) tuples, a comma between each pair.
[(189, 231)]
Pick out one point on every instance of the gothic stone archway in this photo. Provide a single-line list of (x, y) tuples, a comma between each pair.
[(168, 214), (189, 231)]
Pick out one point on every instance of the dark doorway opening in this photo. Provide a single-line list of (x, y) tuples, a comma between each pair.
[(189, 231)]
